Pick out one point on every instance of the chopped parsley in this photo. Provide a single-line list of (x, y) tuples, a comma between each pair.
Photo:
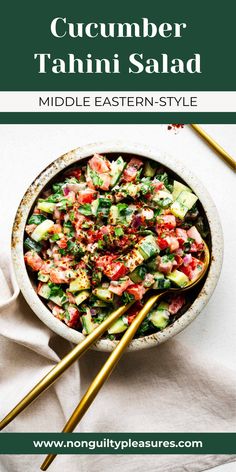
[(85, 209)]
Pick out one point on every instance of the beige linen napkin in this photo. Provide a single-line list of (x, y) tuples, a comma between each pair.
[(169, 388)]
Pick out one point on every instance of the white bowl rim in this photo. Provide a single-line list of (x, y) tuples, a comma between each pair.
[(143, 151)]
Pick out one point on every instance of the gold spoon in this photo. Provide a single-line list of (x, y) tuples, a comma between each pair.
[(115, 356), (222, 152)]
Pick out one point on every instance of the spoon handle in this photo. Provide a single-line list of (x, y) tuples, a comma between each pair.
[(222, 152), (104, 373)]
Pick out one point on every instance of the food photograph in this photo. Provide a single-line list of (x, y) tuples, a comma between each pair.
[(117, 288)]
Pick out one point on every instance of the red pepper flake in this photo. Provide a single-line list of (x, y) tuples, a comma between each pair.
[(176, 127)]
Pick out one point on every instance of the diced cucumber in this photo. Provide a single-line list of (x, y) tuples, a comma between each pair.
[(133, 259), (130, 189), (94, 206), (104, 205), (152, 264), (163, 306), (149, 169), (148, 247), (81, 282), (101, 206), (36, 219), (130, 210), (92, 175), (178, 188), (178, 278), (183, 204), (162, 195), (160, 281), (178, 210), (48, 207), (41, 231), (44, 291), (100, 304), (103, 294), (43, 277), (118, 327), (59, 299), (87, 323), (117, 168), (158, 275), (187, 199), (81, 297), (113, 215), (138, 274), (159, 318), (32, 245)]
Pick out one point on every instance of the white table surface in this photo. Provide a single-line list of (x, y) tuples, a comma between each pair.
[(27, 149)]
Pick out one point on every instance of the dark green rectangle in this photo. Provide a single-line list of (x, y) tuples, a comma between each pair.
[(25, 31), (133, 443), (116, 118)]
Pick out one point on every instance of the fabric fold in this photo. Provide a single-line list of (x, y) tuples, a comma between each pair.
[(166, 389)]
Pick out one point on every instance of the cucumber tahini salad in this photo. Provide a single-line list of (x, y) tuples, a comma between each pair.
[(106, 232)]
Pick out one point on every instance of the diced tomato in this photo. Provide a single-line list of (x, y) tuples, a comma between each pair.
[(197, 268), (58, 276), (129, 174), (163, 243), (181, 235), (176, 304), (131, 170), (64, 262), (62, 243), (115, 270), (74, 173), (106, 181), (57, 228), (120, 287), (134, 311), (178, 261), (187, 270), (131, 318), (157, 185), (33, 260), (90, 183), (30, 228), (105, 230), (99, 164), (47, 266), (193, 269), (193, 233), (103, 261), (74, 316), (165, 267), (57, 311), (168, 241), (167, 221), (86, 196), (58, 215), (135, 162), (174, 245), (137, 290), (70, 297)]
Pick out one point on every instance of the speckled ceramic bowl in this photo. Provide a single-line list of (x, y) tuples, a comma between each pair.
[(27, 286)]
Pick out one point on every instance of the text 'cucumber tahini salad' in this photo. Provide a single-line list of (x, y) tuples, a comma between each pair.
[(106, 232)]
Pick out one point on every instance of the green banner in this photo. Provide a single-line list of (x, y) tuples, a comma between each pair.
[(150, 45), (118, 443), (115, 118)]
